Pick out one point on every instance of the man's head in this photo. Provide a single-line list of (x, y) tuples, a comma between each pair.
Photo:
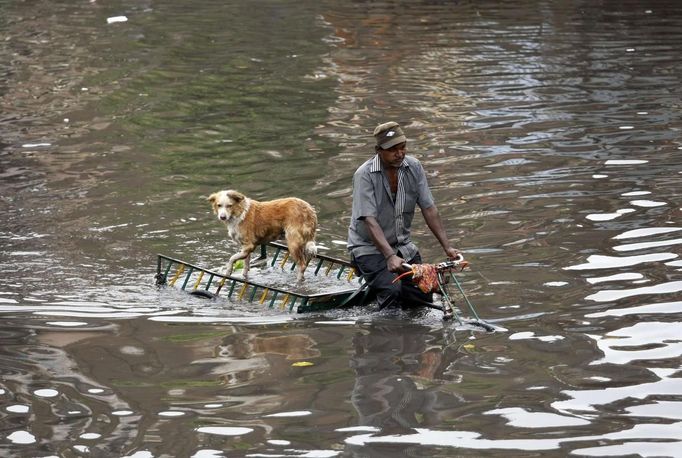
[(388, 135), (391, 144)]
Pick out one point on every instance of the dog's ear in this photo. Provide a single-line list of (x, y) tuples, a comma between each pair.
[(213, 197), (236, 196)]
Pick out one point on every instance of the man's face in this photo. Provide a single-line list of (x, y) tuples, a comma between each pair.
[(393, 157)]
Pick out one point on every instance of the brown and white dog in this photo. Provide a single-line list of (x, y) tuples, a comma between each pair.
[(251, 223)]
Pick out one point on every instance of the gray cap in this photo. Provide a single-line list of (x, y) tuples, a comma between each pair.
[(389, 134)]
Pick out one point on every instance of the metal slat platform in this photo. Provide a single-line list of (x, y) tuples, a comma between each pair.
[(336, 277)]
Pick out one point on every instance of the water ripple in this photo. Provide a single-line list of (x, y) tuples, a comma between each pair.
[(615, 295)]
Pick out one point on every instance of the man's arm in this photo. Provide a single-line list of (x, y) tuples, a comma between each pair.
[(434, 222), (393, 261)]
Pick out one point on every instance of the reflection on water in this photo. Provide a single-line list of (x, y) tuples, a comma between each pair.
[(551, 135)]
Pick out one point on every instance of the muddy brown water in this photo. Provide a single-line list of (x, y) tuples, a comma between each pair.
[(550, 132)]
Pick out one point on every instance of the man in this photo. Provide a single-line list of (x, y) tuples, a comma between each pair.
[(386, 189)]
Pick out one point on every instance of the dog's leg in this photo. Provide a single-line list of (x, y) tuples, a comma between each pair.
[(243, 254), (247, 265), (302, 259), (296, 253), (301, 251), (300, 269), (309, 252)]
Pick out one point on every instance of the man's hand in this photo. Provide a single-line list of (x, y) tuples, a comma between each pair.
[(395, 263), (453, 253)]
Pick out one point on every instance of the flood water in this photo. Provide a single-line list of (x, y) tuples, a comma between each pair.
[(550, 132)]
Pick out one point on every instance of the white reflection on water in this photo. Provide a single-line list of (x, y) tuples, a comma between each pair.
[(647, 203), (635, 233), (614, 295), (337, 322), (609, 216), (208, 453), (609, 262), (46, 393), (278, 442), (140, 454), (105, 315), (634, 448), (35, 145), (624, 345), (531, 335), (522, 418), (67, 324), (555, 284), (663, 307), (644, 245), (463, 439), (172, 413), (90, 436), (355, 429), (21, 437), (83, 308), (224, 430), (625, 162), (18, 408), (234, 319), (298, 454), (586, 400), (658, 409), (473, 440), (616, 277), (300, 413)]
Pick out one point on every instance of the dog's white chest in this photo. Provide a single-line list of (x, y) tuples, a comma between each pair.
[(233, 231)]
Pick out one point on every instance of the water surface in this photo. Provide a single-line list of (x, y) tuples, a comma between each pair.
[(550, 132)]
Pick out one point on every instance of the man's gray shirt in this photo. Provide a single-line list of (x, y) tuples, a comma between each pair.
[(372, 197)]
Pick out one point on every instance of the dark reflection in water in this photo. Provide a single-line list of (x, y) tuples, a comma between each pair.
[(386, 399), (551, 134)]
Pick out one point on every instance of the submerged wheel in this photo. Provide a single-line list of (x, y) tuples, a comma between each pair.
[(203, 294)]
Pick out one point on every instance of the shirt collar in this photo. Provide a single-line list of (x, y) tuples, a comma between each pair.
[(376, 164)]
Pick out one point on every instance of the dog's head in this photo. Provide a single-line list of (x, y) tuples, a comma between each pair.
[(228, 205)]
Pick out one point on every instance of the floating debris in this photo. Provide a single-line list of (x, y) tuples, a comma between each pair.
[(115, 19)]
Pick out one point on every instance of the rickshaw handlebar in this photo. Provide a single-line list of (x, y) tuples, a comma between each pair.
[(445, 265)]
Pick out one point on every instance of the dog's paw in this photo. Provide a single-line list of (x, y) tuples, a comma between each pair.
[(238, 273)]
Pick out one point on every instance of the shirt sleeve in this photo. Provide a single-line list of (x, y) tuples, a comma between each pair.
[(364, 200), (424, 196)]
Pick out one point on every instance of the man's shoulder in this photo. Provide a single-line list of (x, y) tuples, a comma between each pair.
[(365, 167), (411, 160), (414, 165)]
